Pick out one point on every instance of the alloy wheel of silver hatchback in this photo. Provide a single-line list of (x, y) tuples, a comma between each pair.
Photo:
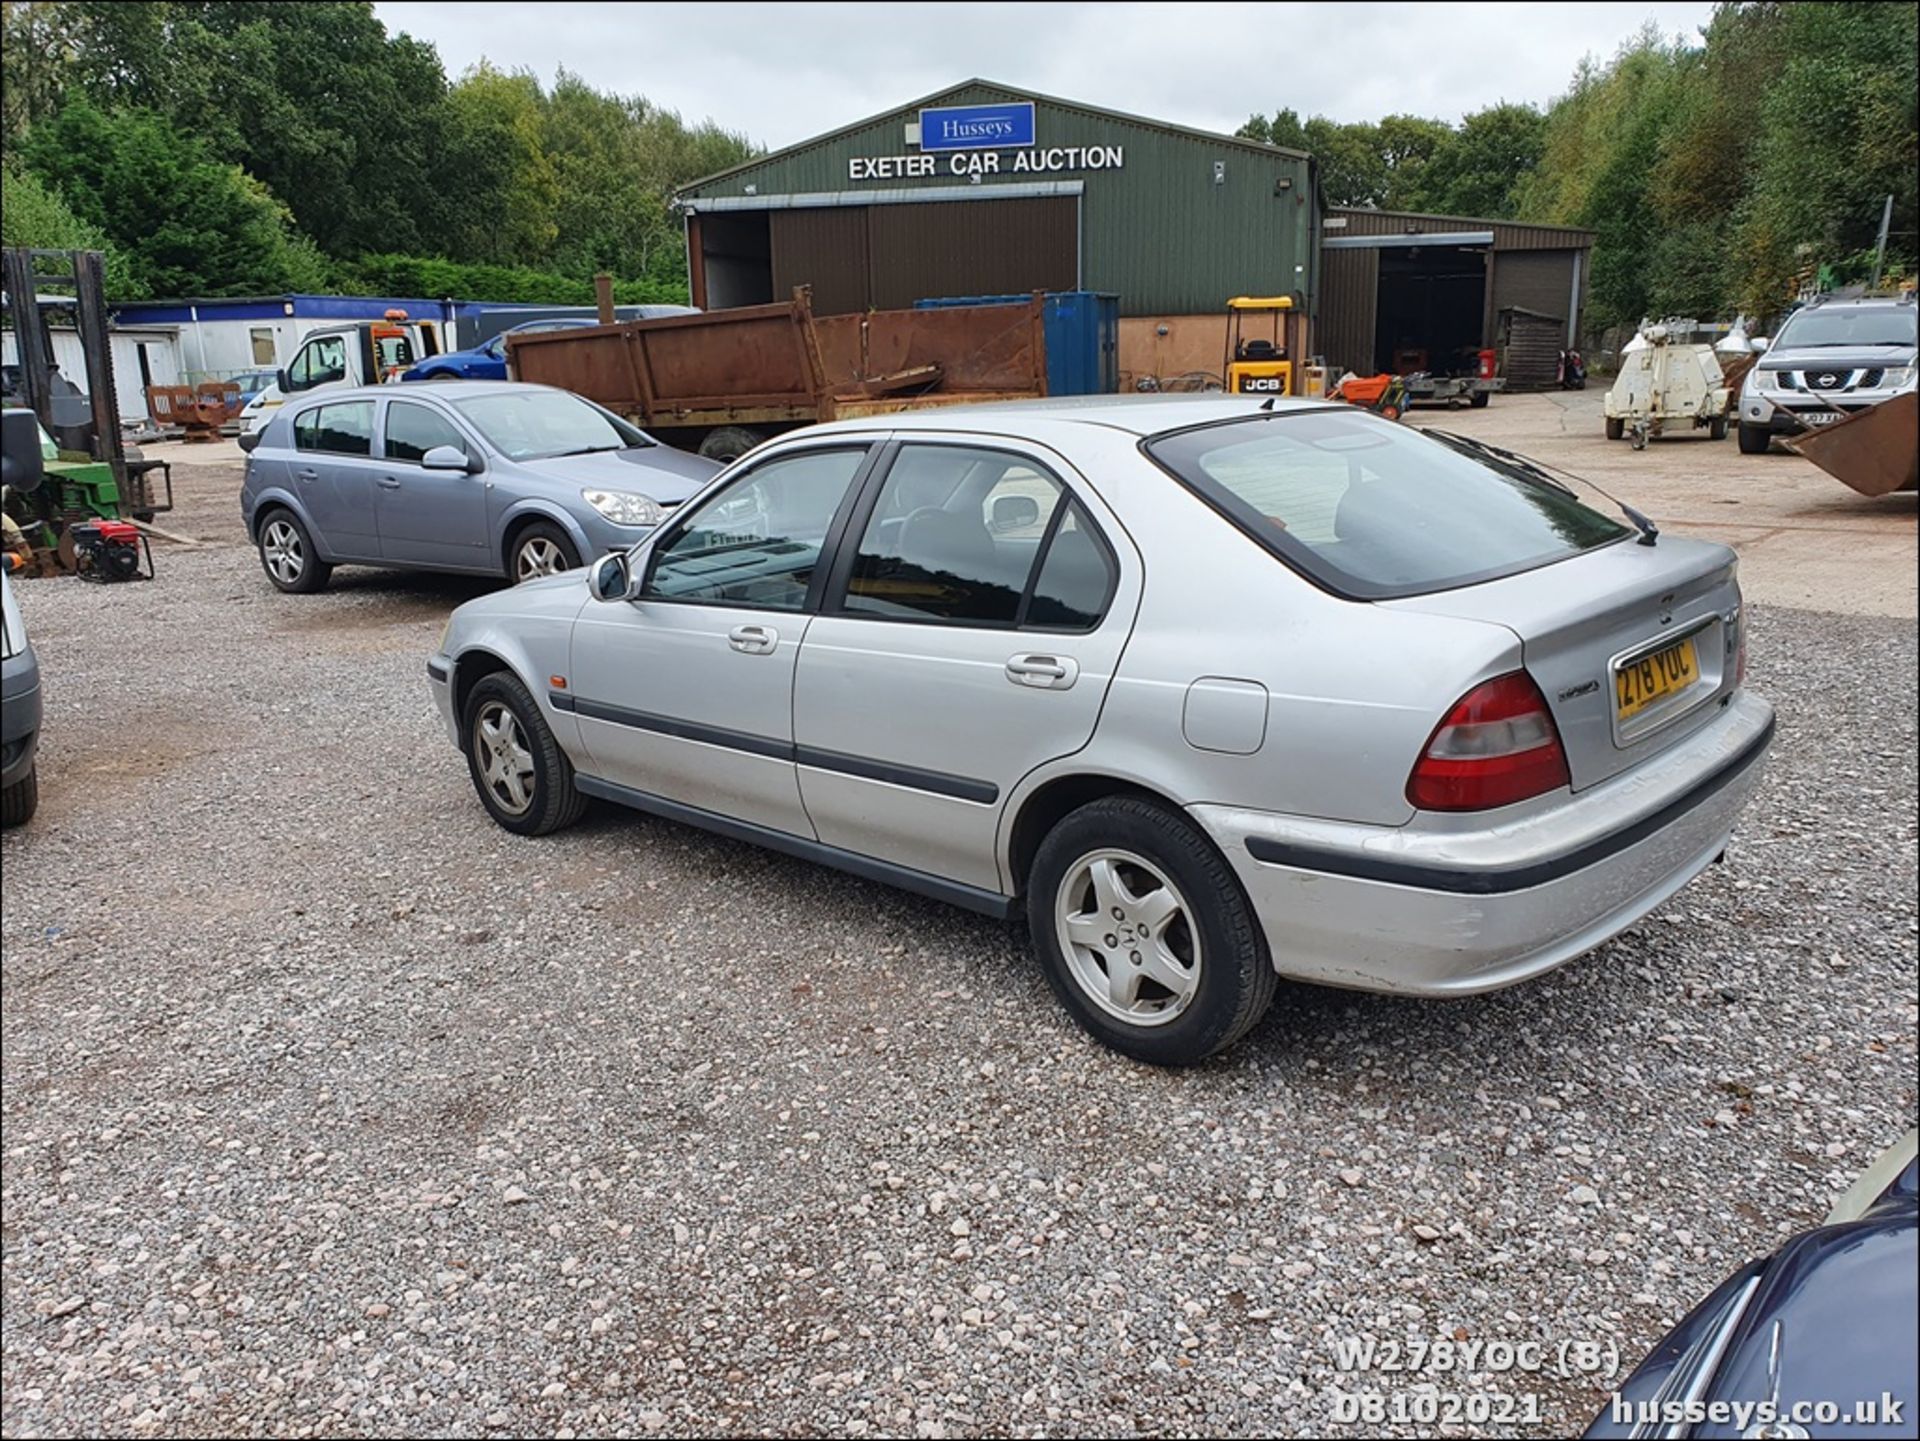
[(1128, 937), (505, 760), (538, 556), (281, 549)]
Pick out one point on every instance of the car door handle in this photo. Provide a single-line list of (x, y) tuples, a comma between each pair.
[(1048, 672), (753, 639), (306, 475), (387, 482)]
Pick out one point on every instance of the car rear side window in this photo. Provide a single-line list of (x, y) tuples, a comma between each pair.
[(1372, 509), (413, 430), (968, 536), (345, 428)]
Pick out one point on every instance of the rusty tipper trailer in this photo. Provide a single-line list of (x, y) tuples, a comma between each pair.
[(722, 382)]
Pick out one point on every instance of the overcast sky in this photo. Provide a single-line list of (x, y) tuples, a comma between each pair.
[(782, 72)]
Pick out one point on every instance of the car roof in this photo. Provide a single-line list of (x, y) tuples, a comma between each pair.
[(1140, 414), (437, 390)]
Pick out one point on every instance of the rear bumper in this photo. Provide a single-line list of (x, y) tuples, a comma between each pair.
[(19, 715), (1437, 912)]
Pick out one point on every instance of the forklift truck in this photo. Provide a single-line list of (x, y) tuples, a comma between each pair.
[(1267, 364)]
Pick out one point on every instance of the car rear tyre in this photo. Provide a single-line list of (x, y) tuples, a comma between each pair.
[(20, 800), (541, 549), (1754, 439), (287, 554), (1145, 935), (522, 776), (729, 443), (1616, 427)]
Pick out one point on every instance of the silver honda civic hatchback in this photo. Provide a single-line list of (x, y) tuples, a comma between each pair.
[(1212, 692)]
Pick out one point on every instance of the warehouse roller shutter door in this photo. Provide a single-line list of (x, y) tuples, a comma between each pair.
[(885, 257)]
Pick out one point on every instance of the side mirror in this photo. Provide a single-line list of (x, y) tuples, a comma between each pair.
[(1760, 344), (248, 440), (280, 379), (447, 457), (1015, 512), (23, 465), (609, 579)]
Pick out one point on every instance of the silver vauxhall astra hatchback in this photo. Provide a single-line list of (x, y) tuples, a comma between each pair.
[(1215, 693)]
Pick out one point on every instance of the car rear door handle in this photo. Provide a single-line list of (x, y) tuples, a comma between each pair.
[(1047, 672), (753, 639), (387, 482), (306, 475)]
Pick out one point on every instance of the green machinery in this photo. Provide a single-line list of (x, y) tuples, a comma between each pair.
[(90, 473)]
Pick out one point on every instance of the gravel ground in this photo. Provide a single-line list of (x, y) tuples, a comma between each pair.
[(332, 1109)]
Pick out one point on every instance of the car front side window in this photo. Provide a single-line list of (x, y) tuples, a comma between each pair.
[(759, 541), (413, 430)]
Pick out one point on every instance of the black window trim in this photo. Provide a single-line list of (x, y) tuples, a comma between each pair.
[(842, 575), (1288, 551), (469, 442), (673, 529), (375, 432)]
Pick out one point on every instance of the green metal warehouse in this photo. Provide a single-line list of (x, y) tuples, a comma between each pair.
[(988, 189), (1029, 193)]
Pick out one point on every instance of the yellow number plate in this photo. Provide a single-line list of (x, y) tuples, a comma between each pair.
[(1639, 683)]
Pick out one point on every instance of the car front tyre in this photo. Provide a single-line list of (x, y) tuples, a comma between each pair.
[(541, 549), (522, 776), (1145, 934), (1754, 439), (20, 800), (288, 556)]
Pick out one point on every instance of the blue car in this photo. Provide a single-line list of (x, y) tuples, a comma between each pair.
[(488, 360), (1802, 1343)]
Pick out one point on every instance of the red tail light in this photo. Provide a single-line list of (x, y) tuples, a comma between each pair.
[(1496, 746)]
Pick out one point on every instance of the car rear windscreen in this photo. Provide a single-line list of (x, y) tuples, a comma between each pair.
[(1372, 509)]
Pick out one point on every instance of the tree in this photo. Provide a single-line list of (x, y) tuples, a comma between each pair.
[(1476, 170), (187, 224), (33, 216)]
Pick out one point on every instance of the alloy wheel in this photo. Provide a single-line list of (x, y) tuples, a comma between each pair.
[(504, 759), (1128, 937), (536, 557), (281, 549)]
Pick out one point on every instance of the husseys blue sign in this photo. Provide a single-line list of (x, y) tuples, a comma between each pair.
[(977, 127)]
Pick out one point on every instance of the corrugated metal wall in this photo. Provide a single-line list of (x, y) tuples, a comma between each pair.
[(971, 247), (1349, 293), (1507, 234), (1159, 231), (1537, 280), (885, 257), (826, 249)]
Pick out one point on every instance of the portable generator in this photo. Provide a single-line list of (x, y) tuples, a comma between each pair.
[(110, 550)]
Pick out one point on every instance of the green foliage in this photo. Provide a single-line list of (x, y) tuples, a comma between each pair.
[(33, 216), (440, 279), (188, 224), (320, 117), (1721, 176), (1407, 163)]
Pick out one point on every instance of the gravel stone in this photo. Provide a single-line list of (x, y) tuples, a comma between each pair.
[(316, 1081)]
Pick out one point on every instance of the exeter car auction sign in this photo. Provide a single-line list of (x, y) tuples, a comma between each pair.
[(967, 140)]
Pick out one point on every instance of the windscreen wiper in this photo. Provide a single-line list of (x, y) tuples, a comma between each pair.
[(584, 450), (1537, 472)]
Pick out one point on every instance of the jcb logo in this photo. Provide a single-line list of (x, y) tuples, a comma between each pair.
[(1262, 382)]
